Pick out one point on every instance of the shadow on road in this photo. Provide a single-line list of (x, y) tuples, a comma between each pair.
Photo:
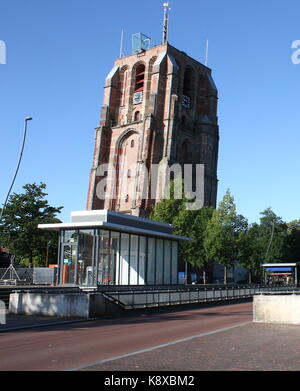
[(129, 317)]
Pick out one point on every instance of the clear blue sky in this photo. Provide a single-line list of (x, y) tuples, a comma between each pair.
[(60, 51)]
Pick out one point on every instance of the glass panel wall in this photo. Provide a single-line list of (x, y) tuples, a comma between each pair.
[(142, 260), (174, 273), (70, 236), (115, 257), (124, 259), (68, 260), (85, 261), (159, 261), (104, 276), (68, 264), (151, 264), (90, 257), (134, 247), (167, 262)]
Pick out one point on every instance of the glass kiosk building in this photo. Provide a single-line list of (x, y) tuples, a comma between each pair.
[(109, 248), (281, 273)]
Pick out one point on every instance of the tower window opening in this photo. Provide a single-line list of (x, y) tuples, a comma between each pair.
[(188, 82), (137, 116), (113, 122), (132, 143), (129, 173), (140, 78)]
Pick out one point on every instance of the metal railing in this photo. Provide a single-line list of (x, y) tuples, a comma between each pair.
[(24, 276), (164, 296)]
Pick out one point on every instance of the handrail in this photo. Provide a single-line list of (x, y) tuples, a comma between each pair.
[(131, 298)]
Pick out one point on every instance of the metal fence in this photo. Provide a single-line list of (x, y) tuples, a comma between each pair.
[(134, 298), (25, 276), (18, 276)]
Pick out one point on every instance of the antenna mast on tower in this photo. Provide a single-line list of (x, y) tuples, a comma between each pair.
[(122, 44), (206, 53), (166, 22)]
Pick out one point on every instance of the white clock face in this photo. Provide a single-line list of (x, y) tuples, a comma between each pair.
[(186, 101), (137, 98)]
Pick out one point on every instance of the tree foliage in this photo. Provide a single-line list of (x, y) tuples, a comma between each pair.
[(224, 234), (19, 229), (264, 242), (292, 242), (193, 225), (188, 223)]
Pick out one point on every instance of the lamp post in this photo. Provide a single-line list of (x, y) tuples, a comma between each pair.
[(18, 166), (47, 256), (271, 239)]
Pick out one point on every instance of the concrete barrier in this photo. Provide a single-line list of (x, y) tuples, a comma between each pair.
[(84, 305), (282, 309)]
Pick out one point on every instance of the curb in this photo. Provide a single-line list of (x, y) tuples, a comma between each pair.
[(33, 326)]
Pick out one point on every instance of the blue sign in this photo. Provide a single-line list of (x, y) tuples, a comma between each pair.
[(279, 269)]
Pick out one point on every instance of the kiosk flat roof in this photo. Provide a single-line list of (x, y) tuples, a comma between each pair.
[(275, 265), (117, 222)]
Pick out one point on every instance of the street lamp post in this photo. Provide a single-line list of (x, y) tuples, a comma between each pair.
[(47, 256), (18, 166)]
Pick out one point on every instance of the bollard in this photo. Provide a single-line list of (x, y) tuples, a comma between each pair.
[(2, 312)]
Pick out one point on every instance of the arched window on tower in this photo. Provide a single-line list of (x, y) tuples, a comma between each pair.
[(137, 116), (185, 153), (140, 78), (187, 90), (124, 82), (139, 84)]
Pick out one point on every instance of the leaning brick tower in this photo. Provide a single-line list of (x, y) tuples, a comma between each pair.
[(160, 105)]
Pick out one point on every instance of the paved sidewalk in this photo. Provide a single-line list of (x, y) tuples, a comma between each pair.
[(251, 347)]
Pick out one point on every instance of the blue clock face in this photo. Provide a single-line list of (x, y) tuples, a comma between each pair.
[(186, 101), (137, 98)]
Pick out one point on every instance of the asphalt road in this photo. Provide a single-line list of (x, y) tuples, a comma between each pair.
[(80, 345)]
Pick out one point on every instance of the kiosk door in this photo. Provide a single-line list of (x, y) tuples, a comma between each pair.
[(69, 264)]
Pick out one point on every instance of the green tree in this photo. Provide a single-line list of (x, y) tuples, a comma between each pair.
[(251, 252), (189, 223), (193, 224), (273, 231), (267, 242), (169, 208), (224, 232), (19, 229), (292, 242)]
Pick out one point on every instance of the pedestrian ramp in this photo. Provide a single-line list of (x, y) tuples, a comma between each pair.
[(167, 296)]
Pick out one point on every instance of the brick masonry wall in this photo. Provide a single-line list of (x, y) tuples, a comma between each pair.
[(164, 130)]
